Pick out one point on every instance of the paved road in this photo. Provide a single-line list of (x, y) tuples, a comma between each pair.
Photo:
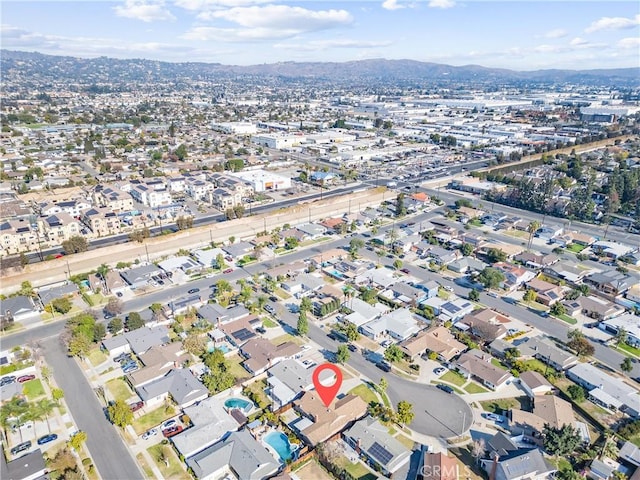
[(111, 457)]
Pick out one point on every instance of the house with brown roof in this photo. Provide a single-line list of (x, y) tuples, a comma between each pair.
[(546, 293), (334, 224), (438, 466), (514, 275), (477, 364), (436, 339), (158, 361), (536, 260), (484, 324), (261, 354), (535, 384), (547, 409), (319, 423)]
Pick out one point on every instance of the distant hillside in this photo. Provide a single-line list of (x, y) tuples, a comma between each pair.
[(39, 66)]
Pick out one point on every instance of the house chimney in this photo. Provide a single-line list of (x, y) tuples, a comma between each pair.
[(494, 467), (358, 446)]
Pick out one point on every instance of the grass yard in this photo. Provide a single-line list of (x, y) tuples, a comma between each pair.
[(364, 392), (33, 389), (406, 441), (268, 323), (151, 419), (517, 234), (502, 404), (467, 465), (148, 473), (475, 388), (97, 356), (575, 248), (257, 388), (174, 470), (312, 471), (535, 364), (625, 347), (356, 470), (496, 363), (288, 338), (454, 378), (566, 318), (237, 370), (119, 389)]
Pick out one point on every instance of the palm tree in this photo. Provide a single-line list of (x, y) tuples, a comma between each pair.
[(46, 406), (532, 228)]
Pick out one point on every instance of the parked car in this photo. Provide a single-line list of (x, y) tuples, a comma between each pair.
[(384, 366), (448, 288), (439, 370), (273, 298), (170, 432), (445, 388), (228, 270), (169, 423), (108, 315), (21, 447), (405, 270), (270, 309), (494, 417), (123, 357), (130, 369), (47, 438), (25, 378), (119, 294), (386, 343), (193, 290), (135, 406), (149, 433), (352, 347), (7, 380), (261, 330)]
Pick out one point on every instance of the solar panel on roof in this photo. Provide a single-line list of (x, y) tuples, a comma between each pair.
[(243, 334), (380, 453)]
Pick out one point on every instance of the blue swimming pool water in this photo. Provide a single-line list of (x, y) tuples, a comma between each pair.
[(240, 403), (223, 347), (85, 283), (281, 445)]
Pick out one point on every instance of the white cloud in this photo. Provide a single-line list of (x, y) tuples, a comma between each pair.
[(232, 35), (140, 10), (14, 37), (195, 5), (391, 5), (442, 3), (556, 33), (281, 21), (578, 42), (629, 42), (613, 23), (319, 45)]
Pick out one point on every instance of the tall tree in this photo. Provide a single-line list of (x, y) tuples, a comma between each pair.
[(303, 324), (560, 441), (404, 413)]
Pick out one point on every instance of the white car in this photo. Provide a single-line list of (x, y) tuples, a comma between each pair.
[(169, 424), (448, 288), (149, 433), (439, 370)]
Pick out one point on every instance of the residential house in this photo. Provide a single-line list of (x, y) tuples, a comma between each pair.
[(17, 235), (609, 282), (438, 466), (319, 422), (441, 256), (574, 238), (376, 278), (485, 324), (112, 198), (66, 289), (287, 381), (466, 265), (437, 339), (402, 295), (157, 362), (137, 341), (210, 423), (238, 249), (29, 466), (546, 293), (139, 277), (612, 250), (18, 308), (547, 352), (630, 454), (536, 260), (547, 410), (535, 384), (303, 285), (363, 312), (600, 469), (261, 354), (549, 232), (368, 437), (514, 275), (606, 390), (179, 384), (520, 464), (477, 364), (599, 308), (102, 221), (399, 324), (239, 455), (288, 270), (453, 310), (115, 283), (58, 228), (628, 322), (568, 271), (153, 194)]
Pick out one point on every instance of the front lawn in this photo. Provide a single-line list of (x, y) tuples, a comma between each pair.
[(625, 347), (454, 378), (575, 248), (566, 318), (288, 338), (501, 405), (268, 323), (406, 441), (356, 470), (119, 389), (496, 363), (151, 419), (237, 370), (475, 388), (174, 470), (364, 392), (97, 357), (33, 389), (144, 465)]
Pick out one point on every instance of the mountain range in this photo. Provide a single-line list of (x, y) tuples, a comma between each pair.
[(18, 64)]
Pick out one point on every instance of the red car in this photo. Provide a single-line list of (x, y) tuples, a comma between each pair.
[(171, 431), (228, 270), (25, 378), (136, 406)]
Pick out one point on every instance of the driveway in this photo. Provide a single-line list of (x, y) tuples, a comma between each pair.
[(112, 458)]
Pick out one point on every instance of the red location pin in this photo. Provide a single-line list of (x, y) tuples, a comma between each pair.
[(327, 393)]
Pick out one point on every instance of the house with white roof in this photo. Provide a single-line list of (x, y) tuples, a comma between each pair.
[(287, 381), (629, 322), (399, 324)]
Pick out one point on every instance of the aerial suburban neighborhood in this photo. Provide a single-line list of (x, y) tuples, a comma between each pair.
[(180, 256)]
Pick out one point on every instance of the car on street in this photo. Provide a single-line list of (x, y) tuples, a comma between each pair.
[(7, 380), (352, 347), (494, 417), (169, 423), (270, 309), (228, 270), (135, 406), (47, 438), (448, 288), (544, 314), (21, 447), (439, 370), (170, 432), (149, 433), (405, 270), (273, 298), (108, 315), (445, 388), (25, 378), (384, 366), (193, 290)]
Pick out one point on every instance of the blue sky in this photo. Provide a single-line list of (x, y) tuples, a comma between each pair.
[(522, 35)]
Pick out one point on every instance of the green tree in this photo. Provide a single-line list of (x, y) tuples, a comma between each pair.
[(75, 244), (77, 440), (45, 409), (621, 336), (57, 394), (343, 354), (491, 277), (305, 304), (404, 413), (530, 295), (62, 305), (114, 325), (558, 309), (383, 385), (303, 324), (397, 264), (120, 414), (581, 346), (195, 344), (114, 306), (355, 244), (532, 228), (80, 345), (219, 377), (290, 243), (560, 441), (495, 255), (99, 332), (134, 321), (181, 152), (401, 209), (466, 249), (577, 393), (26, 289), (351, 331), (626, 366), (393, 353), (474, 295)]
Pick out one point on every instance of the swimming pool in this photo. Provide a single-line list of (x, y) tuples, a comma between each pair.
[(240, 403), (222, 347), (85, 283), (280, 443)]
